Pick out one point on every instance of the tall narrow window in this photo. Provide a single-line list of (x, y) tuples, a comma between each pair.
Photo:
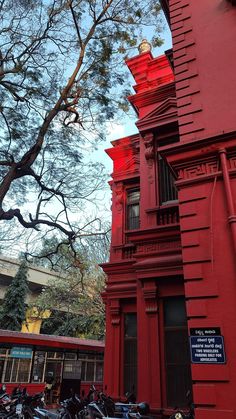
[(177, 357), (130, 353), (132, 216), (167, 188)]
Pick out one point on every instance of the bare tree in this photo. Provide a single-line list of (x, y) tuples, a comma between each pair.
[(60, 80)]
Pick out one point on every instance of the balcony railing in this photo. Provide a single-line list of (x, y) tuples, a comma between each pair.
[(128, 252), (168, 214)]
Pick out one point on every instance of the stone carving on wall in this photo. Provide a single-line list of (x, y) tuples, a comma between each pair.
[(148, 140), (119, 196), (158, 246), (115, 312), (150, 297), (198, 169)]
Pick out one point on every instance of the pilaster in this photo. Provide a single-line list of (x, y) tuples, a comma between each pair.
[(149, 381)]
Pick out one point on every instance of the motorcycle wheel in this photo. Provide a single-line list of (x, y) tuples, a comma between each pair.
[(66, 415)]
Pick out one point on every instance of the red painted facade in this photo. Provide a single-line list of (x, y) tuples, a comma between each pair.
[(182, 250)]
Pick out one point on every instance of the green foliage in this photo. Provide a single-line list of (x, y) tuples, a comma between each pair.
[(61, 78), (74, 299), (61, 324), (13, 307)]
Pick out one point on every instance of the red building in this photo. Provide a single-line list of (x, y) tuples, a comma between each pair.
[(171, 288)]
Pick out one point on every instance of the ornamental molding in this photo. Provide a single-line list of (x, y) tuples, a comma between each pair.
[(128, 167), (197, 169), (202, 168), (232, 162), (148, 140), (150, 297), (164, 113), (157, 247), (119, 196), (115, 312), (151, 96)]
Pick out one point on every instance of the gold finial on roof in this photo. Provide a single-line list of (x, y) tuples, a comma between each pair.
[(145, 46)]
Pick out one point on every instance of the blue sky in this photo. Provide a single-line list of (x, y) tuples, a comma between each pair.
[(116, 130), (127, 127)]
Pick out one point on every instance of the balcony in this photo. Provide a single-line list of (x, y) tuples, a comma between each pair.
[(128, 251), (168, 214)]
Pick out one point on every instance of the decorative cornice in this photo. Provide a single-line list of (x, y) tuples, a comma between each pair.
[(159, 247), (122, 146), (125, 155), (180, 153), (125, 176), (164, 113), (160, 263), (129, 167), (149, 72), (202, 169), (197, 169), (152, 96)]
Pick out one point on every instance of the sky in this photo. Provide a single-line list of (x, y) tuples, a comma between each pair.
[(127, 127), (116, 131)]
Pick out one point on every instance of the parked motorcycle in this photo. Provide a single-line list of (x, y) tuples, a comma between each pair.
[(179, 414), (72, 408), (5, 401), (30, 403), (96, 405), (19, 404), (104, 406), (132, 410)]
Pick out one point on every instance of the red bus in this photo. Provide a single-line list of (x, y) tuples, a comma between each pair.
[(29, 359)]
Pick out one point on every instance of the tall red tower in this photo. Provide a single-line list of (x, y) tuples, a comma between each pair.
[(171, 314), (203, 34)]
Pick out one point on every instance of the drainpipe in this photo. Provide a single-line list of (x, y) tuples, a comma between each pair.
[(229, 196)]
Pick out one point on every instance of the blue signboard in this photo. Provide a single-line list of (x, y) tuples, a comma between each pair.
[(207, 349), (21, 352)]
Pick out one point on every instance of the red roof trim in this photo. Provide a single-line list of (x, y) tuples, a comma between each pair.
[(50, 340)]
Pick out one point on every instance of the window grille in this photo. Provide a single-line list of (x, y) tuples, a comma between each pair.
[(167, 188)]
